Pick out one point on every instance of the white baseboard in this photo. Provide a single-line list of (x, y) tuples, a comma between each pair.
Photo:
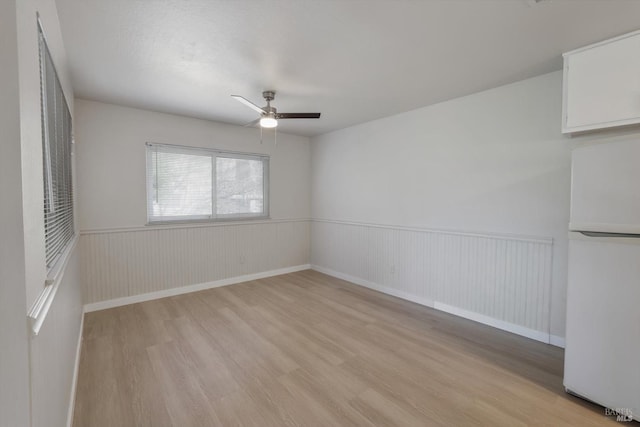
[(496, 323), (118, 302), (480, 318), (76, 368), (557, 341), (367, 284)]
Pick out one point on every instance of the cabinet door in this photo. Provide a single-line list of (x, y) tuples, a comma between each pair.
[(602, 85), (605, 186)]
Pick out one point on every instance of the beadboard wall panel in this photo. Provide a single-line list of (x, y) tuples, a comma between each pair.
[(504, 278), (129, 262), (483, 162)]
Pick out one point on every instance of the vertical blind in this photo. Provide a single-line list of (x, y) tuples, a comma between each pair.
[(191, 184), (56, 150)]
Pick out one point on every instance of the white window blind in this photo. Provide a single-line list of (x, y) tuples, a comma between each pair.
[(196, 184), (56, 150)]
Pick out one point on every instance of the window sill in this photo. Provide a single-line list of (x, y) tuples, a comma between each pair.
[(209, 221), (173, 225), (40, 308)]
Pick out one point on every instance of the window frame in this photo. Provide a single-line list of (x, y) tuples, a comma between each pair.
[(150, 147)]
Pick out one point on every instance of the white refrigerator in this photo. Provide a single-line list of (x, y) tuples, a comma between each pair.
[(602, 355)]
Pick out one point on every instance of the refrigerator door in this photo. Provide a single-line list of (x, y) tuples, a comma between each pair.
[(602, 356), (605, 186)]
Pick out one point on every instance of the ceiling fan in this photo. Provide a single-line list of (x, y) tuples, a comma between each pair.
[(269, 115)]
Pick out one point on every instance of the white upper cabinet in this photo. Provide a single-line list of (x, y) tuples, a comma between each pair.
[(605, 190), (601, 86)]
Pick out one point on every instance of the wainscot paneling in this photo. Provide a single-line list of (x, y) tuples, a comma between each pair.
[(127, 262), (499, 280)]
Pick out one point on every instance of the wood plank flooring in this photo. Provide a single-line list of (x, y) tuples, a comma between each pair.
[(306, 349)]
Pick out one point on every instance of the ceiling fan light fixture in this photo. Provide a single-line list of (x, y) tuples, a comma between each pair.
[(269, 115), (268, 121)]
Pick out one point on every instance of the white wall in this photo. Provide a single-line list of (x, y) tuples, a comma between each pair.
[(493, 162), (124, 258), (14, 343), (54, 351), (112, 163), (37, 389)]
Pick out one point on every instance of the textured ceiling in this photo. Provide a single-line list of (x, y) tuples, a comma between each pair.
[(353, 60)]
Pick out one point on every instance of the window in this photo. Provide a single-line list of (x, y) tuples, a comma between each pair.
[(196, 184), (56, 153)]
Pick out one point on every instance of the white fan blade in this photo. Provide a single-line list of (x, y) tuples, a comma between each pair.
[(249, 104)]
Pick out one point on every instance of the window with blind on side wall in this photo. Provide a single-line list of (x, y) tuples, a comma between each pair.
[(56, 154), (197, 184)]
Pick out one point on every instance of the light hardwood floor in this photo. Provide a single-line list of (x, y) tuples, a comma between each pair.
[(306, 349)]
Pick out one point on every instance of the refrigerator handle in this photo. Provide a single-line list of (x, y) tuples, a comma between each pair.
[(605, 234)]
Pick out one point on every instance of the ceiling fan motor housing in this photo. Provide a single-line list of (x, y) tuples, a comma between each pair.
[(269, 111)]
